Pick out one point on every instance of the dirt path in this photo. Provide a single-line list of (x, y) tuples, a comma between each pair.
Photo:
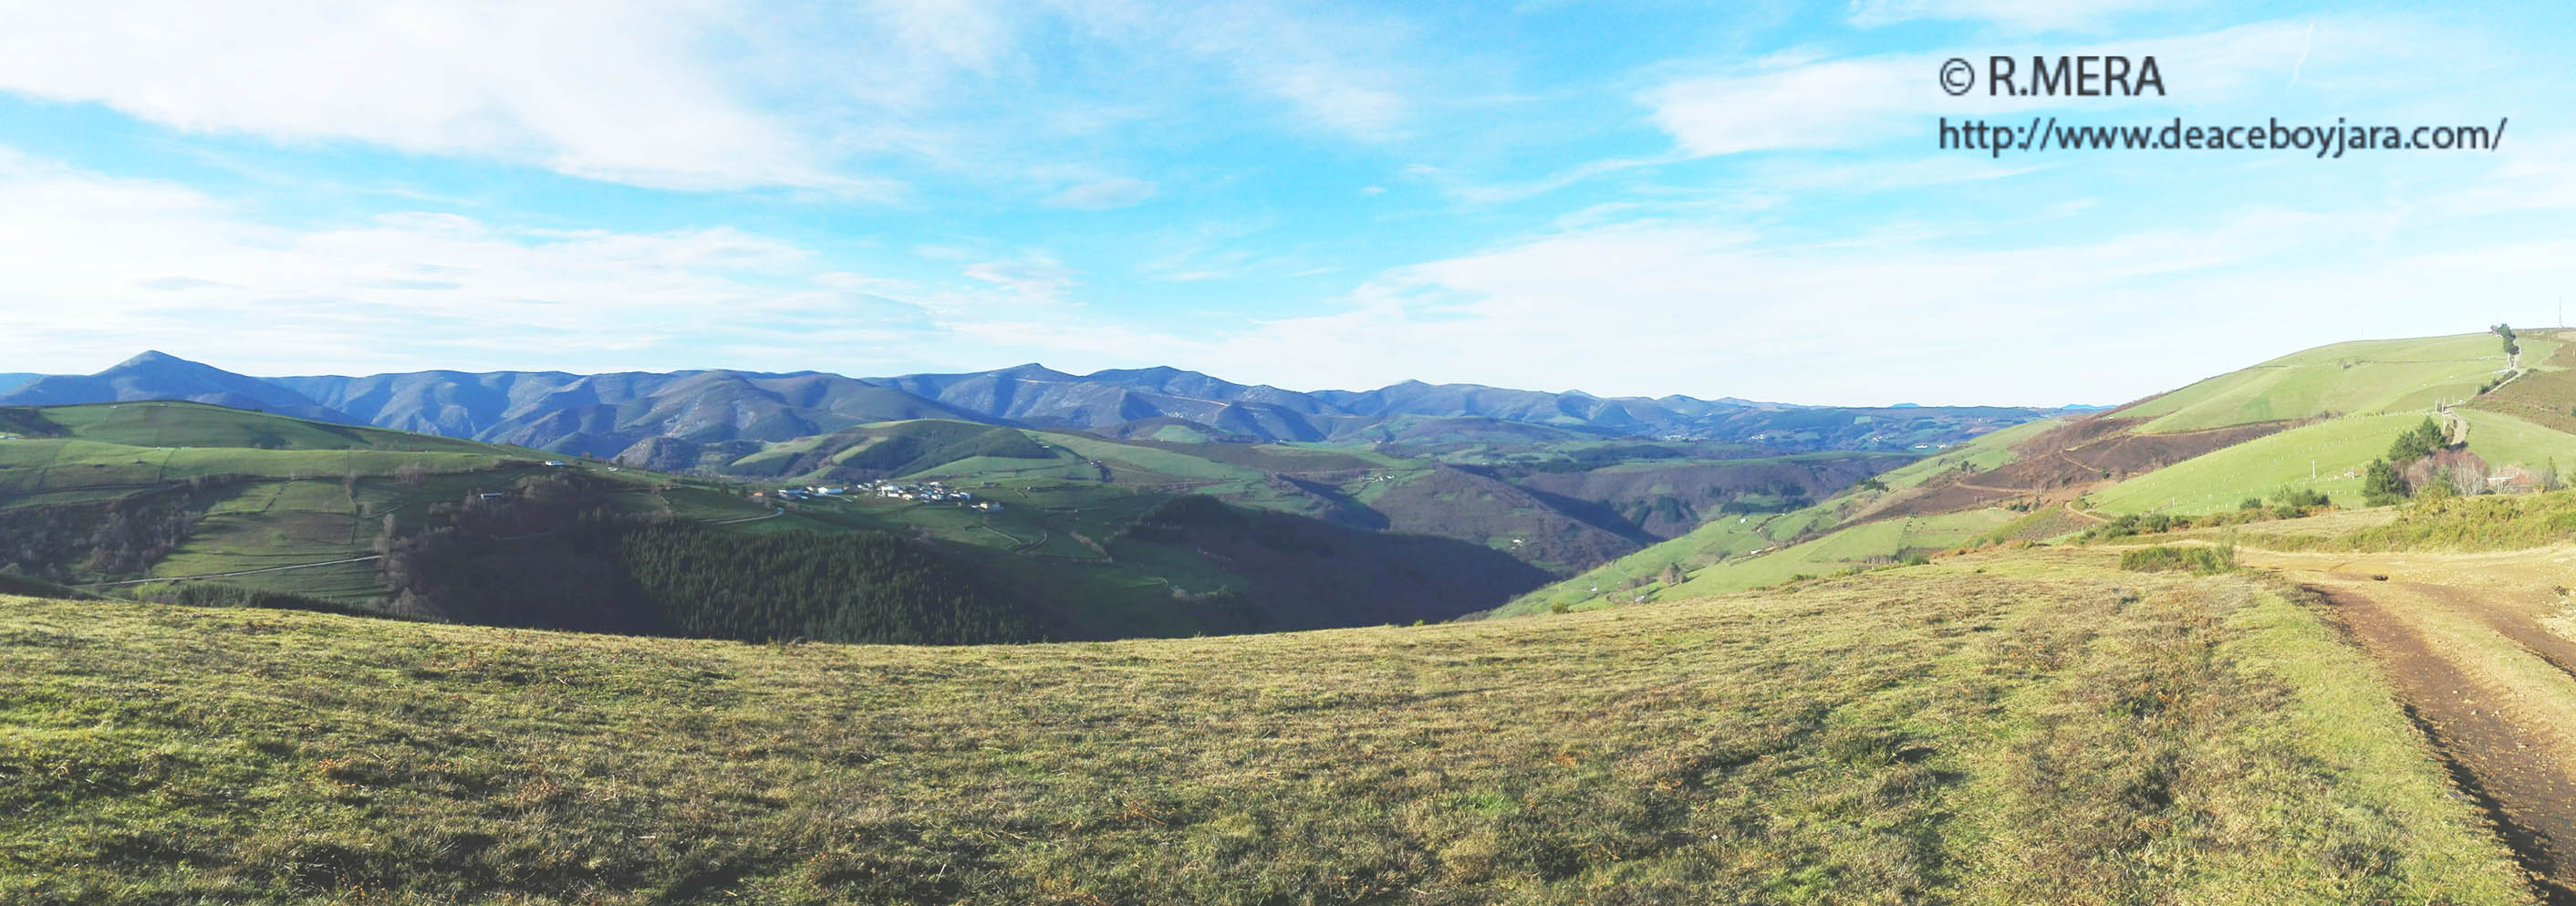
[(2482, 650)]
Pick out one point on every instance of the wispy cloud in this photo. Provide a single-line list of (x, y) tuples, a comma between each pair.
[(1101, 195), (614, 91), (2020, 15), (154, 265)]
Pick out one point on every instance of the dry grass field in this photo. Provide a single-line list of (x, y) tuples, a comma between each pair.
[(2010, 727)]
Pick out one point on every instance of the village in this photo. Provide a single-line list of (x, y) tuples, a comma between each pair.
[(929, 491)]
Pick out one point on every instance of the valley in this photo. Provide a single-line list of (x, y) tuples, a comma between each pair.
[(145, 498)]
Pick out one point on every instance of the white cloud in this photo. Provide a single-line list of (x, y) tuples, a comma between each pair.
[(1041, 283), (617, 90), (1708, 309), (1101, 195), (150, 265), (1852, 103)]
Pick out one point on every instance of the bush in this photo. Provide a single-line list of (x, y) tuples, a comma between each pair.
[(2251, 503), (2301, 498), (2195, 559), (2485, 522)]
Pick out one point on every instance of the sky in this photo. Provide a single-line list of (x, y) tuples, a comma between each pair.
[(1621, 198)]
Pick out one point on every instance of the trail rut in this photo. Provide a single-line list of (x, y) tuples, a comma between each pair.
[(2482, 650)]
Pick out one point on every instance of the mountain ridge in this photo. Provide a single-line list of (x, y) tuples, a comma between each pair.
[(607, 413)]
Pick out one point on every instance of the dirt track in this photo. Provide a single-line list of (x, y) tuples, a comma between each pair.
[(2482, 649)]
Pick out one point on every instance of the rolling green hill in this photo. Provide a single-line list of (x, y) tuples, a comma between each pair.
[(1558, 501), (2310, 421), (2360, 378), (2328, 456), (2032, 727), (1755, 549)]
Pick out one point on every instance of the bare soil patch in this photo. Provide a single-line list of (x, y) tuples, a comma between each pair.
[(2467, 641)]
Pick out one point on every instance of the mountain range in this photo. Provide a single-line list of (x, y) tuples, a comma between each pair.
[(609, 414)]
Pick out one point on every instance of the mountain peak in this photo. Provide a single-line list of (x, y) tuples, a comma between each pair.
[(157, 375), (1029, 370), (151, 357)]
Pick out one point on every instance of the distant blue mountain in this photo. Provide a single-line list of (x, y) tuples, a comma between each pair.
[(608, 414), (161, 376)]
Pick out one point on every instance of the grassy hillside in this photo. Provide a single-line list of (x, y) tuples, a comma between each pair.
[(1560, 503), (2201, 449), (1989, 730), (1742, 541), (2360, 378), (2337, 450), (178, 424), (236, 491)]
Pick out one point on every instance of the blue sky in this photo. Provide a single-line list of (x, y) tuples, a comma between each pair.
[(1622, 198)]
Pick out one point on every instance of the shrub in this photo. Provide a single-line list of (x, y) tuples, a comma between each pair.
[(2196, 559), (2485, 522), (2301, 498)]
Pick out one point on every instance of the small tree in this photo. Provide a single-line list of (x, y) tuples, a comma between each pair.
[(1673, 575), (2417, 443), (2505, 331), (2380, 484)]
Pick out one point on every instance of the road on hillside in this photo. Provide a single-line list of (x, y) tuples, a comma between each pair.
[(774, 513), (2481, 648)]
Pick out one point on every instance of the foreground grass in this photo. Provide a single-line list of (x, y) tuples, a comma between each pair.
[(1989, 730)]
